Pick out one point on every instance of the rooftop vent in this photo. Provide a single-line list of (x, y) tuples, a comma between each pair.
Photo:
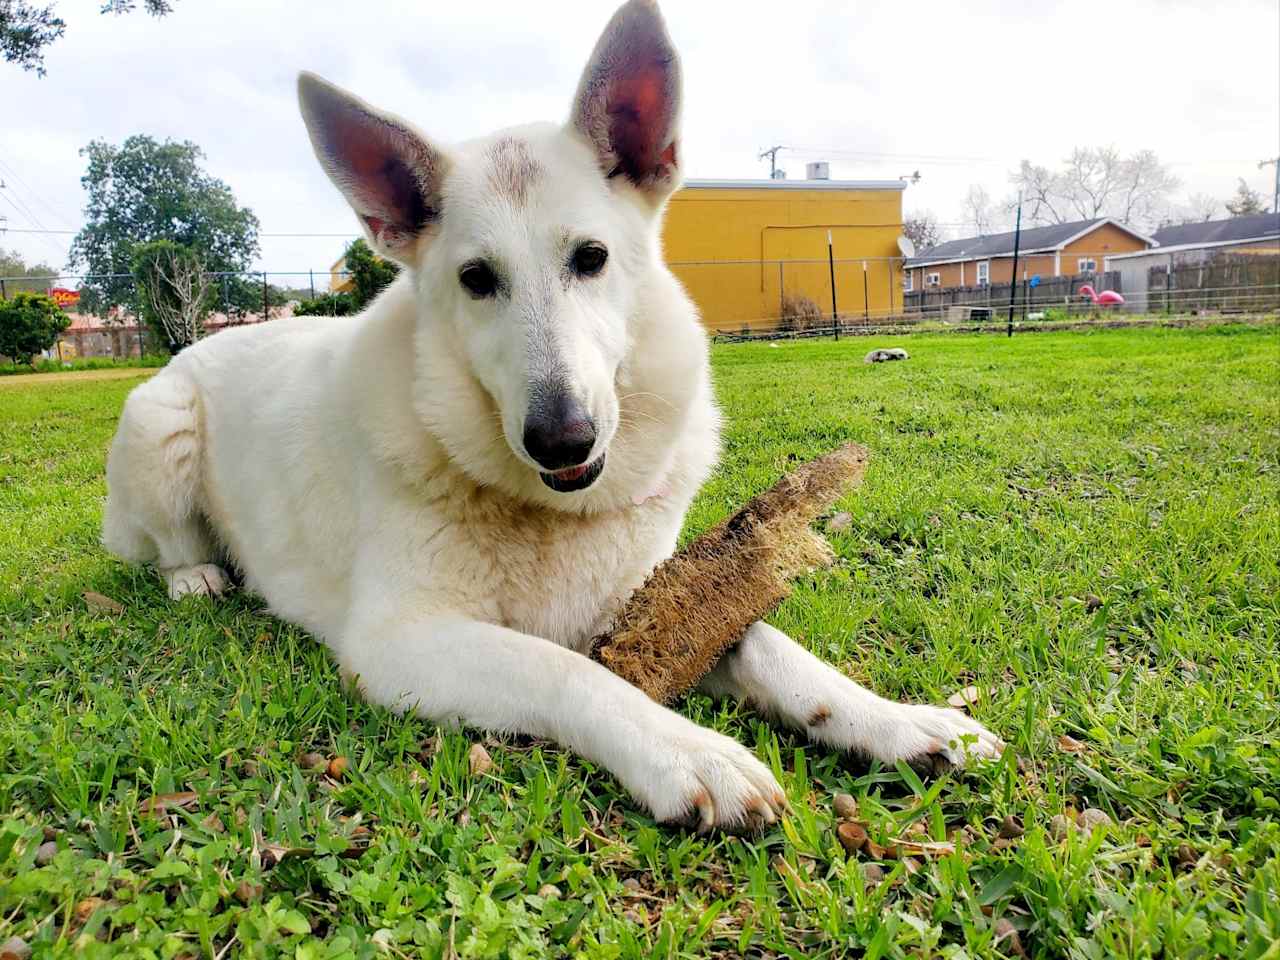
[(817, 170)]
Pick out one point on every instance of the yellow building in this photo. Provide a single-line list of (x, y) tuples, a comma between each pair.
[(339, 280), (740, 246)]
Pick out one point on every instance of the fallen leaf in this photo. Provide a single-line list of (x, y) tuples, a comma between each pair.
[(214, 823), (478, 760), (157, 805), (273, 853), (840, 522), (98, 603), (85, 908), (872, 873), (549, 891), (247, 892), (1008, 934), (852, 836), (900, 847), (963, 698), (1070, 744), (1011, 827)]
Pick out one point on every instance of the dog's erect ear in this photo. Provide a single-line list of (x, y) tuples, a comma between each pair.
[(388, 172), (628, 100)]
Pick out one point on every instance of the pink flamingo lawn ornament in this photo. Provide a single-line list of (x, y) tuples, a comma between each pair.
[(1107, 298)]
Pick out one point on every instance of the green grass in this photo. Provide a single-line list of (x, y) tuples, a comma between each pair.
[(13, 369), (1086, 526)]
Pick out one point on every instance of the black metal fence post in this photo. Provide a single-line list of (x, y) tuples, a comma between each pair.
[(1013, 277), (831, 263)]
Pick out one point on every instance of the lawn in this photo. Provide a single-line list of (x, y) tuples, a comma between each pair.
[(1082, 527)]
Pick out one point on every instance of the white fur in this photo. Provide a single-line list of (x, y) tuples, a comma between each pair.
[(366, 476)]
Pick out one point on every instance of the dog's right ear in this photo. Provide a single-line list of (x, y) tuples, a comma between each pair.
[(388, 171)]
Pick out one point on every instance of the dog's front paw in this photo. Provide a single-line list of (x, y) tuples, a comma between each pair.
[(917, 733), (202, 580), (706, 781)]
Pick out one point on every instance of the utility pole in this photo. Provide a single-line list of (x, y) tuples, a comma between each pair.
[(1275, 200), (772, 154)]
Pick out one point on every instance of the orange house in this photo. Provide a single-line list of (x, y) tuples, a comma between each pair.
[(1061, 250)]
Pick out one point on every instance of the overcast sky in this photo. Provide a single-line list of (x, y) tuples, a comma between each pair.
[(959, 91)]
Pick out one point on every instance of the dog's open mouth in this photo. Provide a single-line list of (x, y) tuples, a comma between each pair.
[(574, 478)]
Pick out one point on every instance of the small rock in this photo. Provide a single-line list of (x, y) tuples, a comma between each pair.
[(1011, 827), (15, 948), (845, 806), (852, 836), (1060, 826), (872, 873), (1007, 934), (632, 886), (478, 760), (46, 852), (337, 767), (1091, 818), (549, 891), (312, 761), (840, 522)]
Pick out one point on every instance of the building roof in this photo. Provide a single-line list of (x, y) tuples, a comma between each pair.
[(1259, 226), (795, 185), (1034, 240)]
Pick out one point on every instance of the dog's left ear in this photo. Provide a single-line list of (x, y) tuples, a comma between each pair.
[(388, 171), (628, 100)]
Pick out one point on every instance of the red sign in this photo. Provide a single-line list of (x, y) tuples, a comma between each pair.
[(64, 297)]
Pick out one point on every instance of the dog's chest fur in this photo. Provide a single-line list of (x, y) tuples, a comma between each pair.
[(551, 574)]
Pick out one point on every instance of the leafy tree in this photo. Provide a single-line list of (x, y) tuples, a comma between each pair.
[(1245, 202), (13, 268), (146, 190), (326, 305), (26, 30), (29, 323), (369, 273), (173, 292), (922, 229)]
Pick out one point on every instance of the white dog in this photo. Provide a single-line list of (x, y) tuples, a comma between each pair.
[(457, 489)]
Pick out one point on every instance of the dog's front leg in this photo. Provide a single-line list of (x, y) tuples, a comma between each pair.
[(453, 669), (782, 679)]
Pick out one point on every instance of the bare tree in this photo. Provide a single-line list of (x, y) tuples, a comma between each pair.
[(1098, 182), (978, 210), (174, 287), (1199, 208), (922, 229)]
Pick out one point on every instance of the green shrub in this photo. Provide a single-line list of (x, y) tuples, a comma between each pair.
[(29, 323)]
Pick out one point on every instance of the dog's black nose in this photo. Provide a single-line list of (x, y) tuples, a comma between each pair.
[(558, 433)]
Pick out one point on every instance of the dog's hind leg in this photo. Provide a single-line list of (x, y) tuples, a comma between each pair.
[(153, 511)]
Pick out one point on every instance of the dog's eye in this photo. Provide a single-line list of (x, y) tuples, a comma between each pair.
[(589, 259), (479, 279)]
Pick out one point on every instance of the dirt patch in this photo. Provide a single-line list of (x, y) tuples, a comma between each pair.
[(76, 376)]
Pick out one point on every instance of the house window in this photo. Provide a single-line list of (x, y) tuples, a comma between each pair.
[(908, 281), (1087, 265), (933, 279), (984, 273)]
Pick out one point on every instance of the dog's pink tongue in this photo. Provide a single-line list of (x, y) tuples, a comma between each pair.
[(573, 473)]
